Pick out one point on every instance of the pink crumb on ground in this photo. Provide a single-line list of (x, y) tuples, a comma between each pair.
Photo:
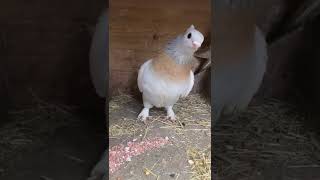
[(119, 154)]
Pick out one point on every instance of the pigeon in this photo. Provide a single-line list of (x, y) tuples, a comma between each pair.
[(168, 76)]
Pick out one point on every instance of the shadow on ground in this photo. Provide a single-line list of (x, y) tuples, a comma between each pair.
[(50, 142)]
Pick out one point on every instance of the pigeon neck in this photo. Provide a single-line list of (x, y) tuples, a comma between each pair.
[(179, 53)]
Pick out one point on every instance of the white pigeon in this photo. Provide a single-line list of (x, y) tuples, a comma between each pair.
[(167, 77)]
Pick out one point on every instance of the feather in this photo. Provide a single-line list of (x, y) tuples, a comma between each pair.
[(167, 77)]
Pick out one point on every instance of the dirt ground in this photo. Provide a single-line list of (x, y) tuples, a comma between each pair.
[(268, 142), (50, 142), (173, 160)]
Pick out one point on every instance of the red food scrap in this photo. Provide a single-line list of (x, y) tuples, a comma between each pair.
[(119, 154)]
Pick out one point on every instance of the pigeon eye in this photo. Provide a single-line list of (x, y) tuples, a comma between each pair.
[(189, 35)]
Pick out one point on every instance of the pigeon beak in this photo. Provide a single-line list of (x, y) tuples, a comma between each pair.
[(195, 44)]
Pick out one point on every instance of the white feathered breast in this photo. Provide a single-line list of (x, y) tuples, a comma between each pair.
[(160, 91)]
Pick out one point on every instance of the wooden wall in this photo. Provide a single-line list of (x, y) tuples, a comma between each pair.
[(137, 30), (44, 44)]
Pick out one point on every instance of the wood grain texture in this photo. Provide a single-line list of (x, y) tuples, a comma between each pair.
[(139, 30)]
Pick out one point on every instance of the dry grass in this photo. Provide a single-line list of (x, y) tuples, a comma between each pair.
[(194, 107), (28, 125), (200, 162), (148, 171), (269, 133), (193, 114), (117, 101), (126, 127)]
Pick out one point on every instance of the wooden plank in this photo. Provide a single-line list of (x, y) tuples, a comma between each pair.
[(138, 30)]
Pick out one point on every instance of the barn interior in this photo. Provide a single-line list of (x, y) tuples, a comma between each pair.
[(52, 121), (138, 32), (277, 137), (50, 115)]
